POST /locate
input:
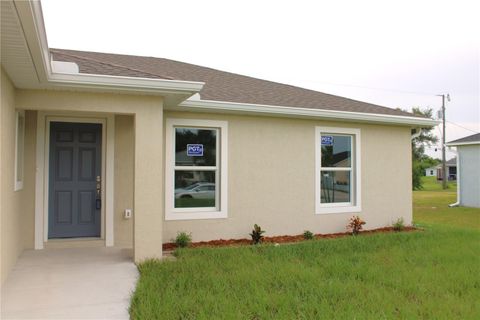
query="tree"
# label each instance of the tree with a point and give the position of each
(429, 162)
(420, 161)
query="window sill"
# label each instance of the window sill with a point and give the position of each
(337, 209)
(196, 215)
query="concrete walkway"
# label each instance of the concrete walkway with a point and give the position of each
(80, 283)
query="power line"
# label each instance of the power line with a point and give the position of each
(455, 124)
(375, 88)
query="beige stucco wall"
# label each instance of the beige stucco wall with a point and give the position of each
(76, 101)
(124, 179)
(28, 205)
(271, 168)
(271, 178)
(11, 237)
(146, 116)
(148, 184)
(17, 207)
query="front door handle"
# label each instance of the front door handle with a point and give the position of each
(98, 201)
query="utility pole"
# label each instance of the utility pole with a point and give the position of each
(444, 161)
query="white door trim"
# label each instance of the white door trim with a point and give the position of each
(42, 168)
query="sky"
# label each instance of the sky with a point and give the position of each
(398, 54)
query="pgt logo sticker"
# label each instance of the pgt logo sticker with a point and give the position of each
(194, 150)
(327, 140)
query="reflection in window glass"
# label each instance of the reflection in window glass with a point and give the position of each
(336, 150)
(334, 186)
(194, 189)
(195, 147)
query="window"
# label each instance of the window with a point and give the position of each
(19, 148)
(196, 169)
(337, 165)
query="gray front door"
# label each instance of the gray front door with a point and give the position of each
(74, 182)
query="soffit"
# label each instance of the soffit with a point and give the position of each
(15, 55)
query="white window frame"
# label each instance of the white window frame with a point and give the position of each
(355, 180)
(18, 181)
(221, 175)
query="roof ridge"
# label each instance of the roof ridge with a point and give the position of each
(61, 51)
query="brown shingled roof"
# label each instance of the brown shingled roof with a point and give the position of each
(473, 138)
(219, 85)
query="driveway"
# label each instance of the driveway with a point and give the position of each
(78, 283)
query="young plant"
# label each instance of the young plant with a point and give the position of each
(399, 225)
(308, 235)
(183, 239)
(355, 225)
(257, 234)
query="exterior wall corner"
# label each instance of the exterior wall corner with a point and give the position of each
(148, 183)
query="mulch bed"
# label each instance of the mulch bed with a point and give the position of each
(279, 239)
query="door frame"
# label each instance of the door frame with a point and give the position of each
(42, 171)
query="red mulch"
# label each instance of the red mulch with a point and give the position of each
(279, 239)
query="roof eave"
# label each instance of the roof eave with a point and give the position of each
(149, 85)
(455, 144)
(31, 18)
(245, 108)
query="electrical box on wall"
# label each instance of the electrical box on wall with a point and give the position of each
(127, 214)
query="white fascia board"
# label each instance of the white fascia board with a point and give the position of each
(453, 144)
(205, 105)
(123, 83)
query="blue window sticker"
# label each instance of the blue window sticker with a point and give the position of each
(327, 140)
(194, 150)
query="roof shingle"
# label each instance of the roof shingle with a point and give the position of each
(219, 85)
(473, 138)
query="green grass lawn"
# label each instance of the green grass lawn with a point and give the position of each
(430, 207)
(422, 274)
(431, 184)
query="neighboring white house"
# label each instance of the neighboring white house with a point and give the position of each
(468, 172)
(451, 170)
(431, 172)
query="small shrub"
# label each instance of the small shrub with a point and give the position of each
(355, 225)
(257, 234)
(308, 235)
(399, 225)
(183, 239)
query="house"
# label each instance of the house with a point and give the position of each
(468, 173)
(451, 166)
(431, 172)
(95, 147)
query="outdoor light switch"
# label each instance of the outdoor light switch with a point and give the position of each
(127, 214)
